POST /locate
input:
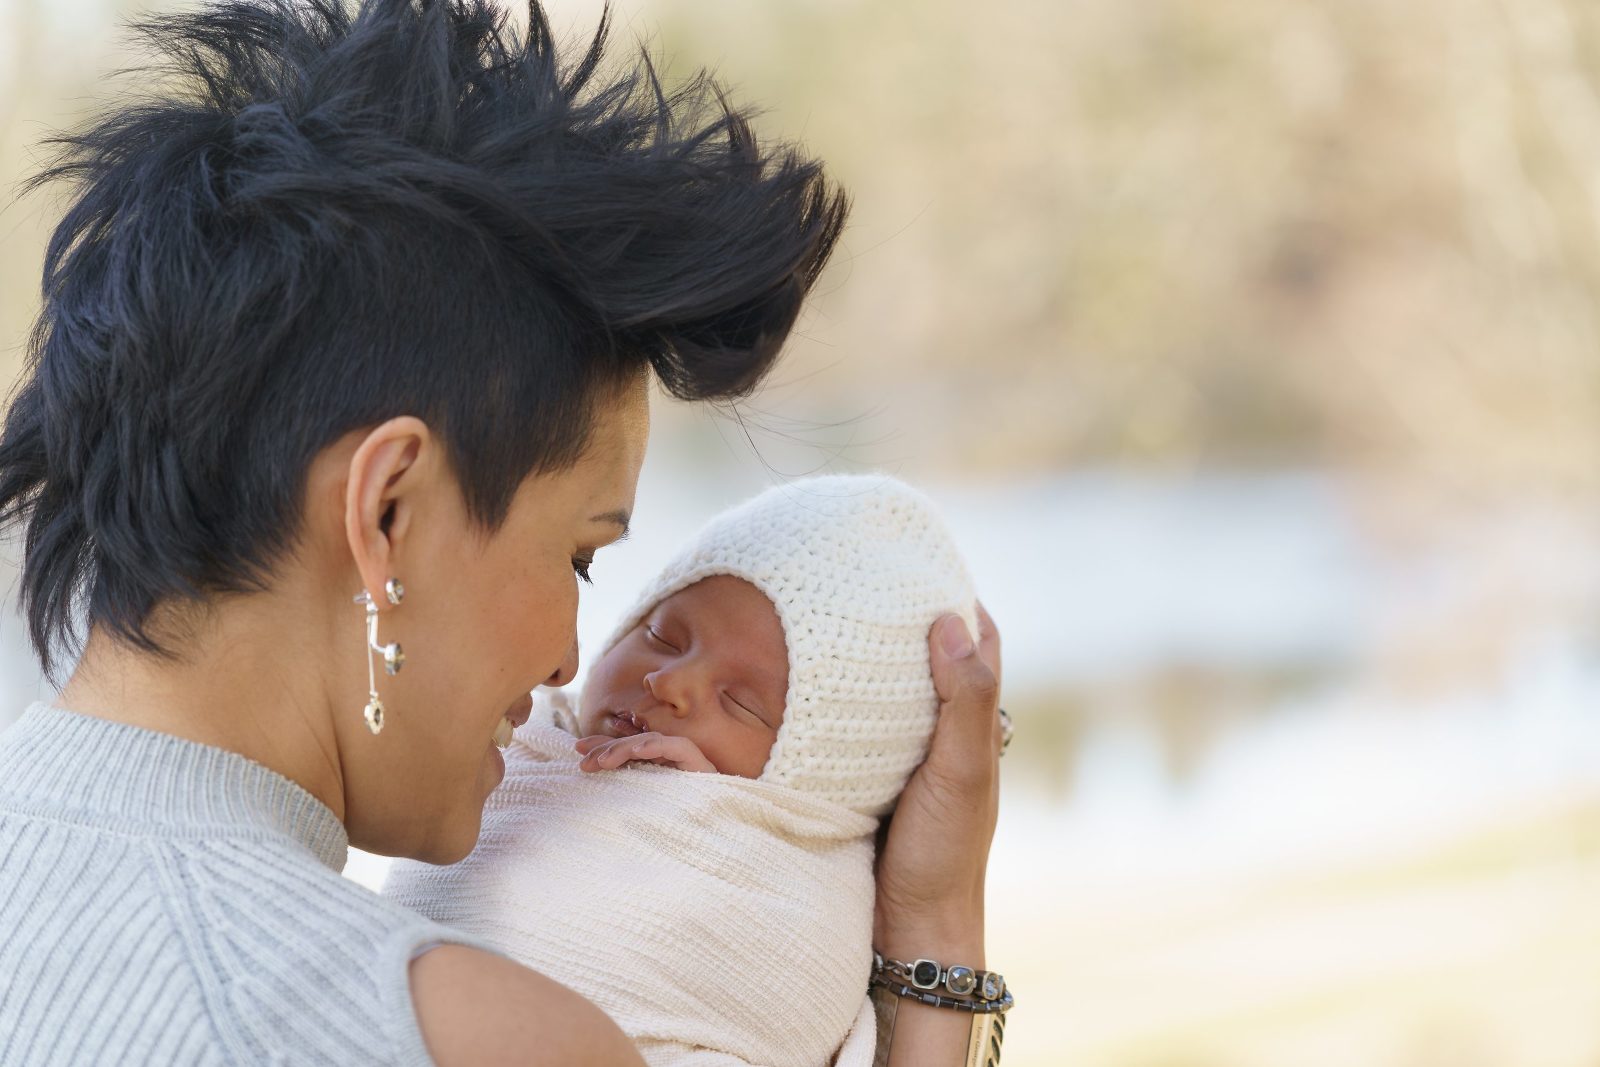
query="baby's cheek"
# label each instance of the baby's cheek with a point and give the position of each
(588, 702)
(588, 721)
(746, 758)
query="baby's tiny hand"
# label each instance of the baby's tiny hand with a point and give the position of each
(601, 753)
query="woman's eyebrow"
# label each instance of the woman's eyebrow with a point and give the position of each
(619, 517)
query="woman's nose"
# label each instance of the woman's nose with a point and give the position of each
(568, 669)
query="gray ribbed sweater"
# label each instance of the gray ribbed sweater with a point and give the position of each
(167, 902)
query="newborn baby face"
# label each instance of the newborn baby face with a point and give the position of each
(708, 664)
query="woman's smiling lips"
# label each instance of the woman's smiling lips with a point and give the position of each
(510, 719)
(521, 710)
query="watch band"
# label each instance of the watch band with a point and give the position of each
(986, 1031)
(885, 1006)
(983, 1043)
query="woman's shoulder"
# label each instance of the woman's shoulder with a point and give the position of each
(276, 929)
(426, 992)
(263, 952)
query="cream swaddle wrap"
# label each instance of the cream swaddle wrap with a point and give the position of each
(722, 920)
(718, 920)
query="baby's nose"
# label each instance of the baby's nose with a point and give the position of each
(671, 688)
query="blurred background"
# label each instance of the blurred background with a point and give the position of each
(1253, 348)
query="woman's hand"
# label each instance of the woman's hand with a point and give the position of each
(601, 753)
(935, 850)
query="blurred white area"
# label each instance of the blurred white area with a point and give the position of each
(20, 680)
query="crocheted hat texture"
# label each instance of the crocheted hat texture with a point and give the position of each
(859, 568)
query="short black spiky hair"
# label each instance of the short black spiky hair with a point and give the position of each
(323, 217)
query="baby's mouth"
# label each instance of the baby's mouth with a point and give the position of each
(623, 724)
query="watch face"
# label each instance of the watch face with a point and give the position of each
(993, 986)
(925, 974)
(960, 980)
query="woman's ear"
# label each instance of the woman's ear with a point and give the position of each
(381, 488)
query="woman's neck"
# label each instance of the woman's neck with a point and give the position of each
(244, 681)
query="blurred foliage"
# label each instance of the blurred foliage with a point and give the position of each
(1254, 231)
(1354, 233)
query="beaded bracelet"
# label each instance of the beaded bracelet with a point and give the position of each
(982, 993)
(934, 1000)
(975, 991)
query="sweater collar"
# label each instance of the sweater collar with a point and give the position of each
(122, 776)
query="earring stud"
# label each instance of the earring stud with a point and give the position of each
(373, 713)
(393, 656)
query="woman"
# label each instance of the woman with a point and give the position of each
(345, 351)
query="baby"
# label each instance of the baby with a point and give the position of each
(725, 917)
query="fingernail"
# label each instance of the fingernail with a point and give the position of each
(955, 638)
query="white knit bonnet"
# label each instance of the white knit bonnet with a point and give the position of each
(859, 567)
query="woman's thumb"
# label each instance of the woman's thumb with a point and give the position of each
(967, 687)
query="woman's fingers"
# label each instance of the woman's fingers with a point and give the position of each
(932, 859)
(989, 653)
(966, 739)
(988, 641)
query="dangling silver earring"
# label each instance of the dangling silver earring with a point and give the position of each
(393, 657)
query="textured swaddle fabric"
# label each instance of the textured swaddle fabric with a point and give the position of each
(859, 568)
(718, 920)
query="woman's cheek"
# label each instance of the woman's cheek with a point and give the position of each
(548, 617)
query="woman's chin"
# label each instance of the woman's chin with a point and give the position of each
(450, 847)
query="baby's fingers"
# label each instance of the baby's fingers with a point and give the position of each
(679, 752)
(609, 753)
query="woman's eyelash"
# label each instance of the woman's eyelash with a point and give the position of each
(580, 567)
